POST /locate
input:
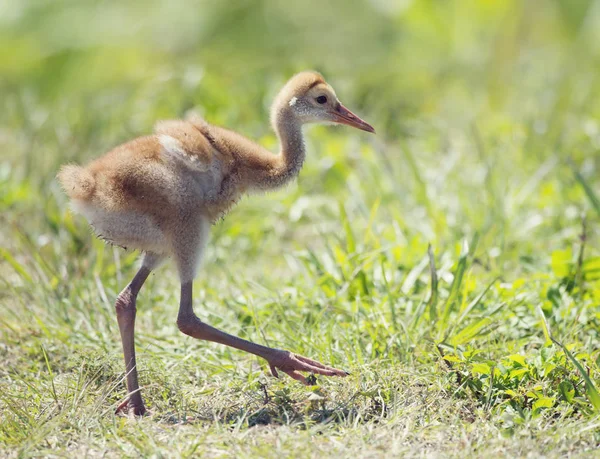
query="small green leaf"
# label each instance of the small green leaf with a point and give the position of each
(543, 402)
(548, 368)
(561, 262)
(518, 358)
(518, 372)
(567, 390)
(482, 368)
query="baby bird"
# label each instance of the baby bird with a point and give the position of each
(160, 194)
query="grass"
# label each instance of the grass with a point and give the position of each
(451, 263)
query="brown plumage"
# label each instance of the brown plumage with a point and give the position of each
(160, 193)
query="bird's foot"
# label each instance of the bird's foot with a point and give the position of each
(291, 364)
(129, 408)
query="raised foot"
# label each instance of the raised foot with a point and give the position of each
(291, 364)
(128, 408)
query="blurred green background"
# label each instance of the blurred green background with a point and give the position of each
(471, 99)
(488, 136)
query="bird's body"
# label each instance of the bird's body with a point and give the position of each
(160, 193)
(139, 194)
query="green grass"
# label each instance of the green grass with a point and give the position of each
(451, 263)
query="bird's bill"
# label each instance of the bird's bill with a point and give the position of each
(344, 116)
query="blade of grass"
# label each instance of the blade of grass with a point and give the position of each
(15, 264)
(470, 307)
(433, 298)
(51, 373)
(350, 240)
(470, 332)
(590, 388)
(594, 200)
(454, 288)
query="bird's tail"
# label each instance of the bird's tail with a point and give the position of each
(77, 182)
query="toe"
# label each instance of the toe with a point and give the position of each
(127, 408)
(292, 364)
(318, 367)
(312, 362)
(137, 410)
(297, 376)
(121, 407)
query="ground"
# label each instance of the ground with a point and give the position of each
(451, 263)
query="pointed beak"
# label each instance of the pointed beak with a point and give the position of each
(344, 116)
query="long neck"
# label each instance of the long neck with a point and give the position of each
(262, 169)
(292, 153)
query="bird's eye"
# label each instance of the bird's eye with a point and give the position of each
(322, 99)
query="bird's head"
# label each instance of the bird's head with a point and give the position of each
(308, 96)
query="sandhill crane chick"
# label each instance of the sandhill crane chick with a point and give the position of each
(160, 193)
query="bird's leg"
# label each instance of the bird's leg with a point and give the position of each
(188, 251)
(286, 361)
(126, 310)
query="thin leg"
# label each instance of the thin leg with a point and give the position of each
(126, 310)
(287, 362)
(188, 251)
